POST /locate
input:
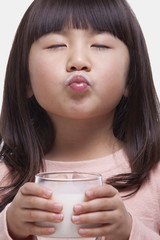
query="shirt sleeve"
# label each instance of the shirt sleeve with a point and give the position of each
(141, 232)
(4, 234)
(3, 225)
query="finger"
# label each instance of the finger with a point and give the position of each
(105, 190)
(103, 230)
(35, 190)
(33, 229)
(95, 205)
(95, 217)
(41, 216)
(32, 202)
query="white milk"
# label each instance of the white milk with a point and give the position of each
(66, 228)
(68, 193)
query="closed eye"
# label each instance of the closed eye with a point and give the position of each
(100, 47)
(56, 46)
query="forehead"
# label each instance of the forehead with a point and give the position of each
(70, 31)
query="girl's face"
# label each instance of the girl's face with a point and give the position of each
(78, 73)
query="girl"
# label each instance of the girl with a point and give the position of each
(79, 95)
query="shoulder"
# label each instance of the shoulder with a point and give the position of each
(155, 172)
(154, 178)
(4, 174)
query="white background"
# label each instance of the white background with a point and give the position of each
(147, 12)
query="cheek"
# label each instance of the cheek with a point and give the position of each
(42, 75)
(43, 83)
(113, 82)
(113, 79)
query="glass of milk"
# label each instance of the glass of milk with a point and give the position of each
(69, 189)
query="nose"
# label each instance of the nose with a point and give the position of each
(78, 61)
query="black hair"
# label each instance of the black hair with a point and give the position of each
(26, 129)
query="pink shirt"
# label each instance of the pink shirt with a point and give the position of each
(144, 206)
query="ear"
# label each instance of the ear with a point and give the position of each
(29, 91)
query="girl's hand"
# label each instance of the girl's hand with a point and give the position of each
(32, 204)
(104, 207)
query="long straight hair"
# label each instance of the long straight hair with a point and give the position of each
(25, 128)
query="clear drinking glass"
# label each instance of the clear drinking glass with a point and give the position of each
(69, 189)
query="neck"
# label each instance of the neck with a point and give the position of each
(78, 140)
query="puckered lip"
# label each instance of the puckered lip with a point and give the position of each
(78, 78)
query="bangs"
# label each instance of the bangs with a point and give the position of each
(101, 15)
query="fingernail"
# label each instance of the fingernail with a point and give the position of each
(76, 219)
(47, 193)
(51, 230)
(89, 193)
(58, 206)
(82, 231)
(77, 208)
(58, 217)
